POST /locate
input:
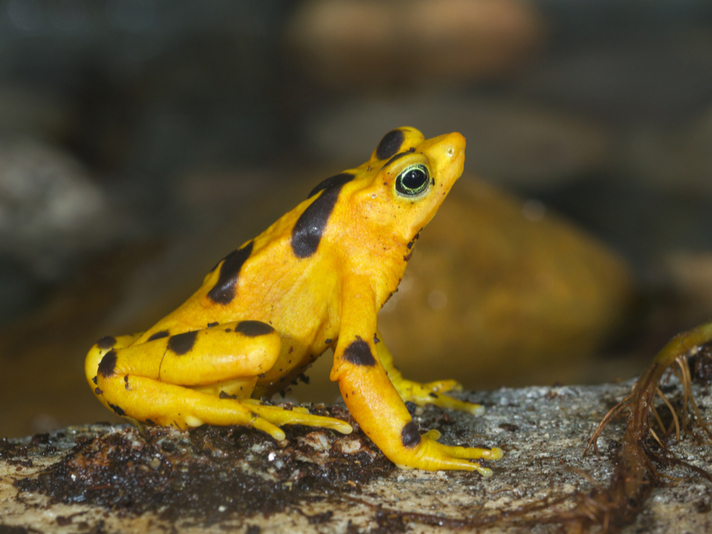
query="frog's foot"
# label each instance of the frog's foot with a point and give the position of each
(296, 415)
(432, 393)
(154, 402)
(430, 455)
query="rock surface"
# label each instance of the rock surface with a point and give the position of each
(542, 430)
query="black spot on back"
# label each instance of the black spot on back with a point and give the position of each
(335, 181)
(410, 436)
(224, 290)
(390, 144)
(359, 353)
(117, 410)
(158, 335)
(308, 229)
(253, 328)
(182, 343)
(210, 325)
(106, 342)
(108, 364)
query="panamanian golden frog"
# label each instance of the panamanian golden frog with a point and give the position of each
(314, 280)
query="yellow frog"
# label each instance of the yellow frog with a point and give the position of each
(315, 279)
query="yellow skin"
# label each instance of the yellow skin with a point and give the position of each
(315, 279)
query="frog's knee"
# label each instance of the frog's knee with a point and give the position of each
(99, 350)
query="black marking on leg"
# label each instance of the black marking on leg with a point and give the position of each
(376, 341)
(328, 340)
(224, 395)
(98, 391)
(107, 364)
(159, 335)
(106, 342)
(149, 422)
(410, 437)
(390, 144)
(95, 379)
(412, 241)
(210, 325)
(126, 382)
(253, 328)
(334, 181)
(224, 289)
(310, 226)
(359, 353)
(182, 343)
(117, 410)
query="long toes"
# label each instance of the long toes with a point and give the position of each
(441, 386)
(265, 426)
(280, 416)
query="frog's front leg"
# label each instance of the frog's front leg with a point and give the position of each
(179, 380)
(375, 403)
(422, 394)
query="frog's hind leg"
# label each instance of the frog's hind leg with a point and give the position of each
(422, 394)
(178, 380)
(96, 354)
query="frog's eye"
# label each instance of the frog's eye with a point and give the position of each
(413, 180)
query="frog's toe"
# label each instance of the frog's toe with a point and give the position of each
(281, 416)
(441, 386)
(435, 456)
(446, 401)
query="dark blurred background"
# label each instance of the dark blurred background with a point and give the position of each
(142, 140)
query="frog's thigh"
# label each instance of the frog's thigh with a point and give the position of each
(242, 349)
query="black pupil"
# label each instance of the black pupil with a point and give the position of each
(414, 179)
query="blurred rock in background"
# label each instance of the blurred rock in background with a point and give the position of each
(140, 140)
(412, 44)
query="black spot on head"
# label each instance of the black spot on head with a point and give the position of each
(335, 181)
(117, 410)
(410, 437)
(106, 342)
(253, 328)
(158, 335)
(390, 144)
(359, 353)
(398, 156)
(182, 343)
(108, 364)
(224, 290)
(308, 229)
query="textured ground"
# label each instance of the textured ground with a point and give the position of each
(107, 479)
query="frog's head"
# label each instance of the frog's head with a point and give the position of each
(380, 206)
(407, 178)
